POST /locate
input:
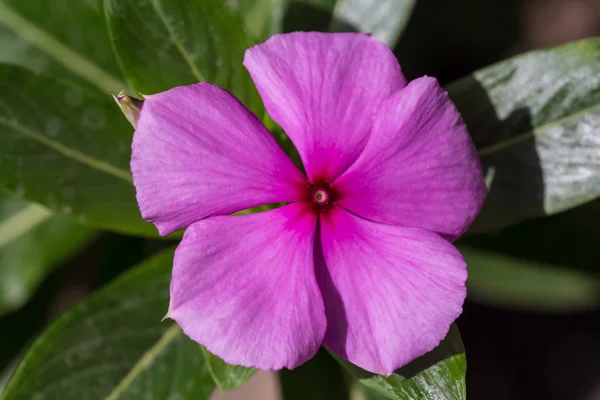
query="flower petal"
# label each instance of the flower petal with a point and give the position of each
(245, 287)
(391, 293)
(420, 167)
(198, 152)
(324, 89)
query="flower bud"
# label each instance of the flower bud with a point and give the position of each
(130, 106)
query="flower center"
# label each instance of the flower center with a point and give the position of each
(321, 195)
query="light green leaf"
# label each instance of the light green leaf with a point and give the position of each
(226, 376)
(439, 374)
(534, 119)
(66, 146)
(507, 281)
(60, 37)
(320, 378)
(113, 345)
(32, 242)
(166, 43)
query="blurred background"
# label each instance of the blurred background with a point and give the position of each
(514, 350)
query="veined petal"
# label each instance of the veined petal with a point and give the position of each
(198, 152)
(391, 293)
(324, 89)
(245, 287)
(420, 167)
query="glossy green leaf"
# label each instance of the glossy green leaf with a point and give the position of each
(166, 43)
(439, 374)
(320, 378)
(534, 119)
(67, 147)
(113, 345)
(32, 242)
(60, 37)
(507, 281)
(226, 376)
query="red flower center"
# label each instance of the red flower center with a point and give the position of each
(321, 195)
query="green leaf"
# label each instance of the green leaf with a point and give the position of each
(113, 345)
(534, 120)
(258, 16)
(166, 43)
(32, 242)
(362, 392)
(384, 19)
(36, 35)
(303, 15)
(320, 378)
(67, 147)
(7, 371)
(439, 374)
(226, 376)
(507, 281)
(15, 50)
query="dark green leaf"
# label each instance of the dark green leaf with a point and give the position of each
(226, 376)
(534, 119)
(506, 281)
(60, 37)
(439, 374)
(67, 146)
(165, 43)
(32, 242)
(303, 15)
(320, 378)
(8, 370)
(113, 345)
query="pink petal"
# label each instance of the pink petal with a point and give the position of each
(324, 89)
(198, 152)
(420, 167)
(391, 293)
(245, 287)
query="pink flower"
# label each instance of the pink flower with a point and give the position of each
(360, 260)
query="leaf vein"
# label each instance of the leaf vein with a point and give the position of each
(21, 222)
(163, 18)
(536, 132)
(71, 60)
(146, 361)
(70, 153)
